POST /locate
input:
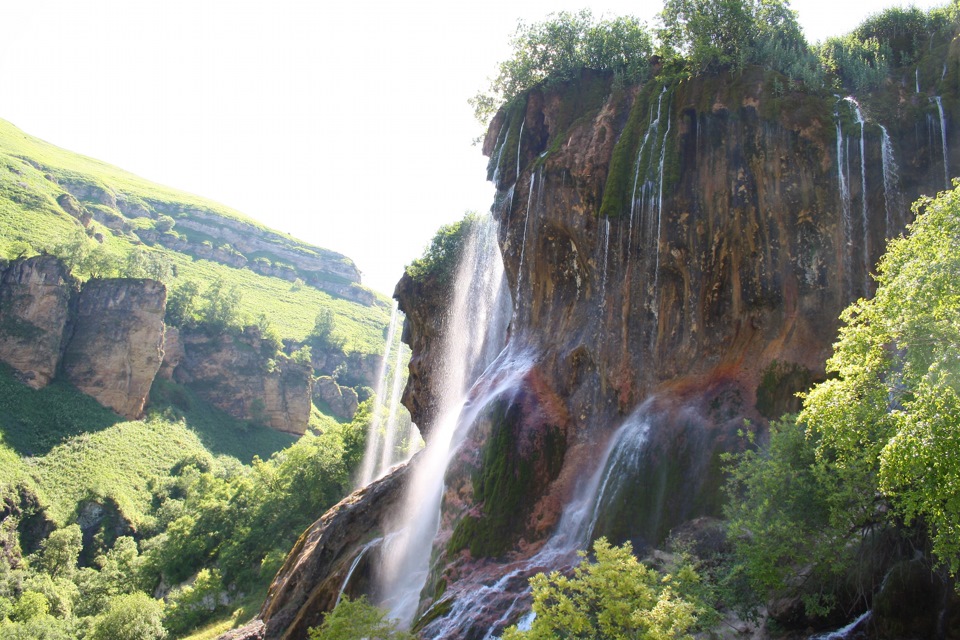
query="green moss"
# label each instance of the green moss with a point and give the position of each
(503, 482)
(437, 610)
(778, 388)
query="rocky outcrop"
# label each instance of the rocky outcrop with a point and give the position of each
(314, 573)
(117, 343)
(34, 308)
(342, 401)
(244, 376)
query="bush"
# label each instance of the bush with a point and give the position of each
(135, 616)
(357, 620)
(616, 597)
(440, 259)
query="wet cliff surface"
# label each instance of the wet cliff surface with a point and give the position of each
(676, 260)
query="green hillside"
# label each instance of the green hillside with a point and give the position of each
(40, 182)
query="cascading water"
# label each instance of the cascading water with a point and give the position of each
(865, 214)
(370, 468)
(606, 260)
(475, 327)
(389, 455)
(845, 207)
(637, 203)
(943, 142)
(656, 247)
(526, 224)
(891, 182)
(573, 533)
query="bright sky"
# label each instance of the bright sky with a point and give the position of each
(345, 123)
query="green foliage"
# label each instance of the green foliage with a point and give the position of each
(357, 620)
(182, 304)
(441, 257)
(873, 449)
(134, 616)
(324, 336)
(192, 604)
(556, 49)
(713, 35)
(220, 307)
(616, 597)
(893, 410)
(858, 64)
(60, 551)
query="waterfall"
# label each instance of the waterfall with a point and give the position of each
(501, 143)
(891, 182)
(636, 202)
(475, 326)
(943, 142)
(519, 141)
(388, 452)
(845, 206)
(353, 567)
(523, 242)
(606, 258)
(865, 214)
(621, 455)
(656, 248)
(369, 468)
(916, 75)
(846, 632)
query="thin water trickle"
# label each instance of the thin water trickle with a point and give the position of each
(845, 632)
(523, 242)
(519, 144)
(656, 247)
(606, 260)
(845, 206)
(917, 78)
(891, 182)
(389, 455)
(865, 214)
(476, 327)
(372, 454)
(353, 567)
(501, 144)
(943, 142)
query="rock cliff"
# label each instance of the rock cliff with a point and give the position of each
(239, 374)
(678, 257)
(34, 307)
(117, 342)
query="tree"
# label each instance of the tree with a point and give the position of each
(874, 449)
(713, 35)
(182, 304)
(893, 409)
(557, 48)
(356, 620)
(324, 335)
(615, 597)
(221, 307)
(134, 616)
(60, 551)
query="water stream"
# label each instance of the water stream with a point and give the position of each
(891, 183)
(475, 328)
(943, 142)
(864, 212)
(845, 207)
(371, 466)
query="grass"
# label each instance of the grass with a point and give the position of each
(73, 449)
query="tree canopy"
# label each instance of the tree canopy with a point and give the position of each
(875, 447)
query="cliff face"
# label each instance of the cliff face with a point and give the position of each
(678, 257)
(34, 307)
(237, 375)
(117, 342)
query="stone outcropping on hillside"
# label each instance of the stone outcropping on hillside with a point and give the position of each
(108, 339)
(238, 375)
(34, 307)
(676, 255)
(117, 342)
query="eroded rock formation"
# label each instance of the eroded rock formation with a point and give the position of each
(117, 342)
(240, 375)
(34, 309)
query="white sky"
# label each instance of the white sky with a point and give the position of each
(343, 123)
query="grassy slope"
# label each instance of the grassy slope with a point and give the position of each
(74, 449)
(29, 213)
